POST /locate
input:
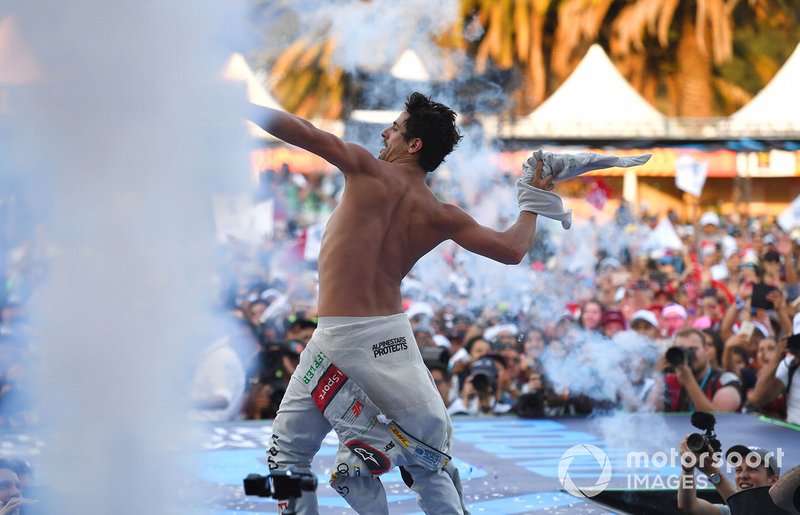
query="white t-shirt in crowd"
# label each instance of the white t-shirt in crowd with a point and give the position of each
(792, 397)
(220, 372)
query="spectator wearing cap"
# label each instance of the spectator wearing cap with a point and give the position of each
(481, 393)
(424, 334)
(709, 229)
(695, 384)
(644, 322)
(420, 312)
(673, 319)
(612, 322)
(711, 232)
(754, 467)
(502, 336)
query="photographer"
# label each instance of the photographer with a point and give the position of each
(481, 393)
(268, 377)
(690, 382)
(749, 473)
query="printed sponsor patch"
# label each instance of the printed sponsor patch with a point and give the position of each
(389, 346)
(376, 461)
(426, 455)
(369, 425)
(328, 386)
(319, 359)
(397, 434)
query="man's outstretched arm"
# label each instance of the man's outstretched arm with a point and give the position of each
(302, 133)
(509, 246)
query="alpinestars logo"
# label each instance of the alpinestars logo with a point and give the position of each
(388, 346)
(376, 461)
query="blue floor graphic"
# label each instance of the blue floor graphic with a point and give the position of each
(507, 465)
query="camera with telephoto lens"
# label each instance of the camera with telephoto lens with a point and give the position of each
(679, 356)
(435, 357)
(484, 375)
(698, 442)
(283, 485)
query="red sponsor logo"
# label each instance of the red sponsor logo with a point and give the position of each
(357, 408)
(329, 385)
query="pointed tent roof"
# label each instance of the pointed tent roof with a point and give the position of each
(236, 69)
(777, 106)
(662, 237)
(595, 100)
(18, 66)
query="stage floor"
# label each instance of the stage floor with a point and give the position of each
(507, 465)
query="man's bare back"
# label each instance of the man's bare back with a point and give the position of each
(388, 218)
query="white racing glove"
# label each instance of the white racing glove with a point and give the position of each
(563, 167)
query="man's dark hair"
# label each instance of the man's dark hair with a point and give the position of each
(435, 125)
(687, 331)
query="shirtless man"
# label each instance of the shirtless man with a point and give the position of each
(387, 219)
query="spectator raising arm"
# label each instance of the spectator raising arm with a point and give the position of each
(768, 386)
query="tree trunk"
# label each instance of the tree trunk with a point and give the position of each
(694, 69)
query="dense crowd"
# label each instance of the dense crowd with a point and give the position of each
(583, 324)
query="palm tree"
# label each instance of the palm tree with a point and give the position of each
(673, 51)
(306, 83)
(509, 33)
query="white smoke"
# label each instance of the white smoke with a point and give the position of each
(384, 29)
(127, 138)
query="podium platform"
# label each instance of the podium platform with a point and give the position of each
(513, 466)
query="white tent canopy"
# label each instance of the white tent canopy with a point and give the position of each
(662, 238)
(595, 100)
(237, 70)
(777, 106)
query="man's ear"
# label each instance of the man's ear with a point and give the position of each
(415, 145)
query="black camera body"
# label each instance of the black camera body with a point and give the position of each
(698, 442)
(435, 357)
(679, 356)
(484, 375)
(280, 484)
